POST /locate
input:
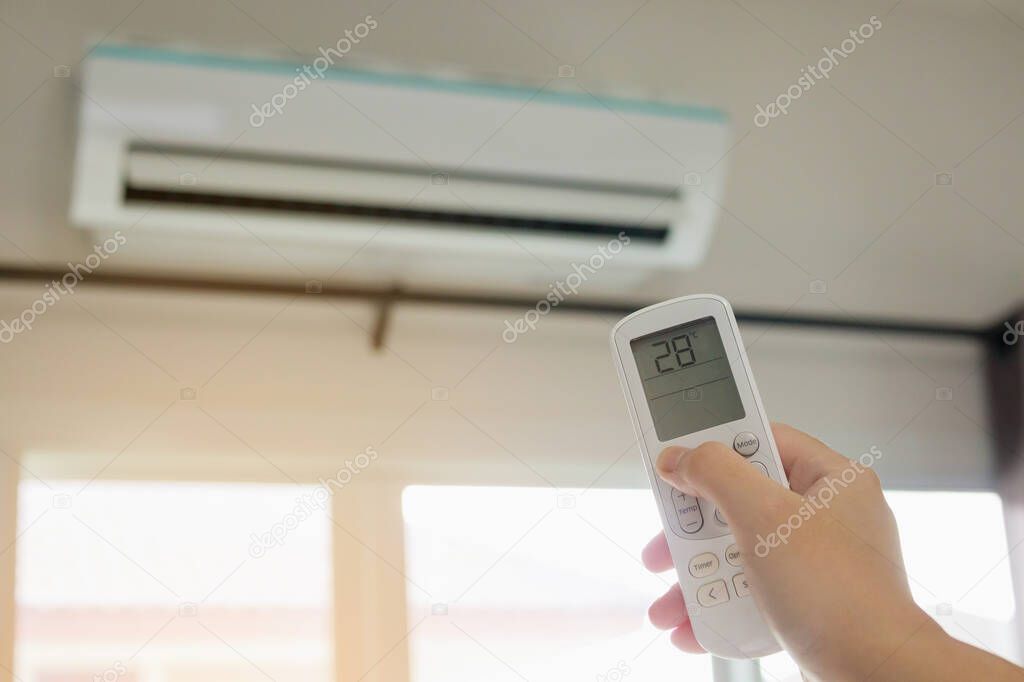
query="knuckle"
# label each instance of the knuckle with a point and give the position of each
(870, 478)
(715, 449)
(703, 458)
(703, 461)
(692, 467)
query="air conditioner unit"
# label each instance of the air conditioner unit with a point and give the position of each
(431, 171)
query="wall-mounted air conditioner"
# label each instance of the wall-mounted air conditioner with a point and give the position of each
(428, 169)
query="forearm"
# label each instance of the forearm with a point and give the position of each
(931, 655)
(915, 650)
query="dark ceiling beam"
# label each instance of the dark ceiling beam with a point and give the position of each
(387, 297)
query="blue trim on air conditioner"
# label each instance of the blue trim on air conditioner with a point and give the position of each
(408, 80)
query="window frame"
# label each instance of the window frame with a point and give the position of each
(369, 604)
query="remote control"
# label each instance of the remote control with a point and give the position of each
(687, 381)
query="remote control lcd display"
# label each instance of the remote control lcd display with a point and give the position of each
(687, 380)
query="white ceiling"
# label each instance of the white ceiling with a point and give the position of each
(842, 189)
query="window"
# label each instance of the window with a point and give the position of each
(132, 581)
(143, 581)
(533, 583)
(968, 589)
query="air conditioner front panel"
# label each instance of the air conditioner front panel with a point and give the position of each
(168, 140)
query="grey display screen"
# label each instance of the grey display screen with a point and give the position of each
(687, 380)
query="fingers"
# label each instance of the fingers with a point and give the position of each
(683, 638)
(805, 458)
(656, 556)
(717, 473)
(669, 610)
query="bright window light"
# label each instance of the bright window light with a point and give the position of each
(535, 583)
(158, 582)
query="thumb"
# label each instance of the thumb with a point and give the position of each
(717, 473)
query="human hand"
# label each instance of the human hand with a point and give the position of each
(835, 592)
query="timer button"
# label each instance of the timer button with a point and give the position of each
(703, 565)
(746, 443)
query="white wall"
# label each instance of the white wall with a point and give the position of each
(101, 374)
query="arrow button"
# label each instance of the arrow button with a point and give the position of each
(713, 594)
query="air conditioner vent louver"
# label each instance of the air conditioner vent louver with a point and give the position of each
(391, 214)
(268, 183)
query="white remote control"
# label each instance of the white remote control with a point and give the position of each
(687, 381)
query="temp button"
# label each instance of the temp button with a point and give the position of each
(746, 443)
(691, 519)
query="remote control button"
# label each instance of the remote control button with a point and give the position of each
(746, 443)
(732, 555)
(719, 517)
(762, 467)
(703, 565)
(739, 583)
(713, 594)
(691, 518)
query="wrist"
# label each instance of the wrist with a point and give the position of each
(900, 644)
(924, 651)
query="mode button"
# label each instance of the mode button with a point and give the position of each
(746, 443)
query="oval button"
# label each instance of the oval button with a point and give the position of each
(739, 583)
(713, 594)
(691, 518)
(746, 443)
(732, 555)
(703, 565)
